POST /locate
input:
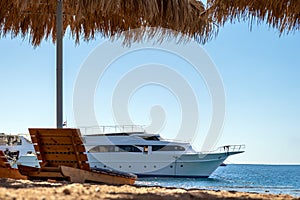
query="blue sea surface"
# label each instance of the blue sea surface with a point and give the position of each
(273, 179)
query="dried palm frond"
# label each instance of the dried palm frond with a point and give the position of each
(86, 18)
(281, 14)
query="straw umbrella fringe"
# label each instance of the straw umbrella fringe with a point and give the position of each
(86, 18)
(283, 15)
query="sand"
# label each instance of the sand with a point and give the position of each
(52, 190)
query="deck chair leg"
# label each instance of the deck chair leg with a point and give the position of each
(75, 175)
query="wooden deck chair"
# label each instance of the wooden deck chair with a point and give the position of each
(6, 171)
(62, 156)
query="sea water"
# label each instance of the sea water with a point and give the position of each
(273, 179)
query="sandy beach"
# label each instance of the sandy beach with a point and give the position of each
(24, 189)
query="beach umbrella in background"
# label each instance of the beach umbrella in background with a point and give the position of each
(43, 19)
(283, 15)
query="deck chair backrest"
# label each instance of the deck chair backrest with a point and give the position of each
(4, 163)
(59, 147)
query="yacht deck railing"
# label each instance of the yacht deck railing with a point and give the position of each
(228, 148)
(111, 129)
(231, 148)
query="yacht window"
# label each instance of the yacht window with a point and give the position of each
(145, 149)
(167, 148)
(154, 138)
(128, 148)
(112, 148)
(102, 148)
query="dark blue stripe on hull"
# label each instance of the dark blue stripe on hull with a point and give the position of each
(167, 176)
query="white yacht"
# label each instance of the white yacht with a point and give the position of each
(147, 154)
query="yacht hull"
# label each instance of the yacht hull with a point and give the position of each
(161, 165)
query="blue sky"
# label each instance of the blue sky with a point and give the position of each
(260, 72)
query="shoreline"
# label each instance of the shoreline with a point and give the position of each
(24, 189)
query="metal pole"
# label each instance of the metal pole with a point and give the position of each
(59, 65)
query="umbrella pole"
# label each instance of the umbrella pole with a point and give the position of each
(59, 66)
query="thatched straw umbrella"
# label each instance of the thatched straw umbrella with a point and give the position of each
(41, 19)
(281, 14)
(86, 18)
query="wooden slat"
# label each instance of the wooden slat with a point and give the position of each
(4, 164)
(11, 173)
(36, 148)
(58, 133)
(3, 160)
(51, 169)
(53, 131)
(46, 175)
(56, 141)
(81, 176)
(82, 165)
(40, 152)
(85, 166)
(63, 148)
(53, 140)
(39, 157)
(65, 157)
